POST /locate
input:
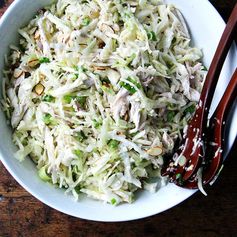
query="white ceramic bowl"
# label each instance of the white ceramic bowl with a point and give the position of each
(206, 27)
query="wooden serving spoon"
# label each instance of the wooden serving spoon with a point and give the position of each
(215, 133)
(189, 157)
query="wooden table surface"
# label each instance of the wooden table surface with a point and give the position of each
(212, 216)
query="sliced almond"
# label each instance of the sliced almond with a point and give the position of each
(51, 28)
(66, 39)
(101, 43)
(37, 35)
(133, 9)
(42, 76)
(100, 68)
(16, 54)
(40, 46)
(33, 62)
(155, 151)
(116, 27)
(133, 4)
(39, 89)
(106, 29)
(95, 14)
(60, 38)
(33, 30)
(120, 133)
(126, 117)
(82, 44)
(17, 73)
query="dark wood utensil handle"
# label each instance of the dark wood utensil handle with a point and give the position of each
(219, 58)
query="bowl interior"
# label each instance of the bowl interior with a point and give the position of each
(202, 19)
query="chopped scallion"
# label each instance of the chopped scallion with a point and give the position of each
(96, 123)
(81, 100)
(43, 174)
(105, 81)
(44, 60)
(137, 84)
(130, 59)
(67, 99)
(113, 201)
(190, 110)
(78, 153)
(170, 116)
(179, 178)
(76, 75)
(81, 136)
(113, 144)
(48, 98)
(86, 21)
(128, 87)
(78, 188)
(47, 118)
(151, 36)
(80, 69)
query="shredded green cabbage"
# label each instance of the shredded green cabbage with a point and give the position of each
(99, 91)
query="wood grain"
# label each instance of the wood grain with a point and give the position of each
(212, 216)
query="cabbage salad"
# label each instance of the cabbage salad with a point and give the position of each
(98, 92)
